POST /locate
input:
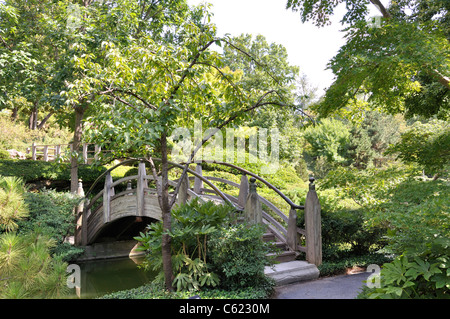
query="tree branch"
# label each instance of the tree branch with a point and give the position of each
(381, 8)
(259, 103)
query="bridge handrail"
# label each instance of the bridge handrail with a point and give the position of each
(219, 192)
(242, 170)
(264, 201)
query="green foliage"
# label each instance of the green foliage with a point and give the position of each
(14, 135)
(426, 144)
(401, 63)
(31, 171)
(4, 154)
(416, 214)
(420, 277)
(238, 255)
(192, 224)
(51, 214)
(370, 138)
(328, 139)
(12, 203)
(208, 250)
(157, 291)
(27, 270)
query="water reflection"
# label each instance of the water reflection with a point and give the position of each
(101, 277)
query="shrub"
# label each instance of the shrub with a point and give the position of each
(4, 154)
(238, 255)
(27, 270)
(191, 225)
(31, 171)
(12, 203)
(51, 214)
(209, 250)
(426, 276)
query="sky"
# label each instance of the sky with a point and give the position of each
(308, 46)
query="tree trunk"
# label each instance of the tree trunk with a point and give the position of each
(15, 111)
(41, 125)
(166, 216)
(79, 112)
(33, 117)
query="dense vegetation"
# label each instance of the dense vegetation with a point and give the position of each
(130, 72)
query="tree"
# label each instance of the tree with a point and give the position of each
(328, 139)
(426, 144)
(370, 139)
(144, 89)
(404, 57)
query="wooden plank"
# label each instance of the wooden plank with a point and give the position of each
(108, 192)
(291, 237)
(141, 184)
(313, 227)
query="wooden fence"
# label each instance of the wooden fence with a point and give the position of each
(63, 152)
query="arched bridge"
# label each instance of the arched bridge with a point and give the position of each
(111, 214)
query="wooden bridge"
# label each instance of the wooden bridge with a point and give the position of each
(114, 213)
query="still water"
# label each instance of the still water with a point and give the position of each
(101, 277)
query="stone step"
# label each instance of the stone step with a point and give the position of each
(292, 271)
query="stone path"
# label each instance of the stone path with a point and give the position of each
(338, 287)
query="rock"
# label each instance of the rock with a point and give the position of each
(16, 154)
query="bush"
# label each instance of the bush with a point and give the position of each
(4, 154)
(27, 270)
(31, 171)
(12, 203)
(191, 225)
(239, 256)
(208, 250)
(426, 276)
(157, 291)
(51, 215)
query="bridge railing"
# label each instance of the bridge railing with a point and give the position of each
(63, 152)
(284, 227)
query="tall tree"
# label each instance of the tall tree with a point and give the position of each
(144, 89)
(398, 62)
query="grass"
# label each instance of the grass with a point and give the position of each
(15, 135)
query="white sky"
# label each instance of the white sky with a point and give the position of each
(308, 46)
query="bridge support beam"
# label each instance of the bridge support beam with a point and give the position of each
(141, 184)
(182, 192)
(291, 236)
(243, 191)
(252, 209)
(313, 226)
(198, 183)
(108, 192)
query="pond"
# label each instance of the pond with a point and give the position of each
(100, 277)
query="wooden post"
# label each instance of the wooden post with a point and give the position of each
(84, 223)
(198, 183)
(57, 152)
(252, 209)
(45, 153)
(313, 226)
(243, 191)
(182, 192)
(79, 213)
(108, 192)
(291, 237)
(97, 151)
(141, 184)
(85, 157)
(33, 151)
